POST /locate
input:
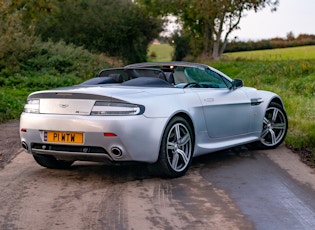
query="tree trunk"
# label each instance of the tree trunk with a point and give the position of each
(223, 45)
(206, 40)
(215, 49)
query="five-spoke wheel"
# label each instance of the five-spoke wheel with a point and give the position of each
(275, 126)
(176, 148)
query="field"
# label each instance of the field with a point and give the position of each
(160, 53)
(294, 53)
(164, 52)
(289, 72)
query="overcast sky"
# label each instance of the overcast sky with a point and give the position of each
(297, 16)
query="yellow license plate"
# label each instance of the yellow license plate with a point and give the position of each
(63, 137)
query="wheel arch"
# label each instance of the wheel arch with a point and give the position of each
(162, 166)
(188, 119)
(275, 126)
(277, 100)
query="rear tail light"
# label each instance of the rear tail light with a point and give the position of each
(102, 108)
(32, 106)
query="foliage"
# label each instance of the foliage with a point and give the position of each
(117, 28)
(47, 65)
(15, 45)
(181, 46)
(209, 22)
(31, 10)
(24, 52)
(301, 40)
(15, 89)
(11, 104)
(51, 58)
(59, 58)
(28, 64)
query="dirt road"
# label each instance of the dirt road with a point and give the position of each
(93, 196)
(96, 196)
(9, 141)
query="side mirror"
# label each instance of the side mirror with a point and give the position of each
(237, 83)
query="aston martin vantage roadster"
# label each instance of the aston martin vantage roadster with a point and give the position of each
(162, 114)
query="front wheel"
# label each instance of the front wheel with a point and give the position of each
(275, 126)
(51, 162)
(176, 149)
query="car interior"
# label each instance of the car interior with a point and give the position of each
(180, 77)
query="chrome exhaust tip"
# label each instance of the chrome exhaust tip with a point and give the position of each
(117, 152)
(24, 146)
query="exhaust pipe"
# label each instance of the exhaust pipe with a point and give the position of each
(24, 146)
(117, 152)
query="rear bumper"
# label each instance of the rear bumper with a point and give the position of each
(137, 138)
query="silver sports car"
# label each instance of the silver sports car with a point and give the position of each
(163, 114)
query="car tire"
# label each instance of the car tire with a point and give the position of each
(176, 149)
(51, 162)
(275, 126)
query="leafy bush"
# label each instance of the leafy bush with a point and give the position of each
(15, 44)
(22, 52)
(28, 64)
(181, 46)
(60, 58)
(11, 103)
(118, 28)
(15, 89)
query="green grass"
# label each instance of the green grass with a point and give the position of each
(160, 53)
(15, 89)
(294, 53)
(11, 103)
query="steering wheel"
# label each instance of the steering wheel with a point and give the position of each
(192, 85)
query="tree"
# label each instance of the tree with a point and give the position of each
(15, 44)
(181, 44)
(209, 21)
(117, 28)
(31, 10)
(290, 36)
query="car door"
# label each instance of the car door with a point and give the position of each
(227, 110)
